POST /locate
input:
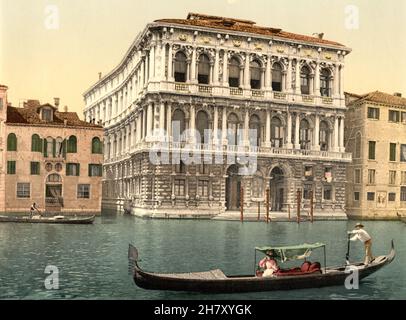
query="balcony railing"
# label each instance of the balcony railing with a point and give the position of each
(257, 93)
(181, 87)
(205, 89)
(307, 98)
(279, 95)
(327, 100)
(236, 92)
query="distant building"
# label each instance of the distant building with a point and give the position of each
(227, 76)
(376, 137)
(48, 157)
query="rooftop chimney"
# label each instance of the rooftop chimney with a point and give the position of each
(100, 75)
(56, 102)
(65, 109)
(398, 94)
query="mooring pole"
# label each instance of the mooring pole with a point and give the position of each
(267, 205)
(242, 204)
(259, 210)
(289, 211)
(311, 206)
(298, 195)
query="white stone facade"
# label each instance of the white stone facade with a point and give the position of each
(290, 91)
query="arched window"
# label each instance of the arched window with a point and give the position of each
(277, 77)
(357, 153)
(54, 178)
(276, 133)
(305, 80)
(36, 143)
(178, 124)
(255, 70)
(72, 145)
(304, 138)
(324, 136)
(325, 86)
(12, 142)
(255, 131)
(234, 73)
(202, 124)
(204, 69)
(180, 67)
(232, 126)
(97, 146)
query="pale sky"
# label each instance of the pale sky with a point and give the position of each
(93, 35)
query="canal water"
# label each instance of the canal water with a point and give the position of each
(92, 259)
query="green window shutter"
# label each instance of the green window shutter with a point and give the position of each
(45, 148)
(78, 169)
(12, 142)
(68, 171)
(64, 148)
(90, 170)
(33, 143)
(54, 147)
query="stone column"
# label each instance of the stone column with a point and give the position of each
(169, 120)
(193, 67)
(188, 70)
(317, 80)
(336, 131)
(224, 126)
(161, 75)
(215, 124)
(142, 74)
(342, 146)
(225, 69)
(268, 73)
(150, 121)
(342, 82)
(162, 121)
(216, 68)
(262, 86)
(170, 64)
(289, 131)
(298, 89)
(246, 127)
(297, 131)
(268, 129)
(192, 122)
(152, 63)
(316, 138)
(138, 138)
(336, 93)
(147, 68)
(247, 82)
(289, 76)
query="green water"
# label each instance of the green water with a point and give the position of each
(92, 259)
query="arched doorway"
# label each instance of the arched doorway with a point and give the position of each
(277, 189)
(53, 193)
(233, 187)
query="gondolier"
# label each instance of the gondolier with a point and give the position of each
(360, 234)
(33, 209)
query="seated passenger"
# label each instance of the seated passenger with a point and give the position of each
(271, 268)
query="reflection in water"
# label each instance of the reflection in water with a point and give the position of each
(92, 260)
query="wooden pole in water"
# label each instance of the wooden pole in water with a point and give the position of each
(267, 205)
(242, 204)
(298, 196)
(289, 211)
(259, 210)
(311, 206)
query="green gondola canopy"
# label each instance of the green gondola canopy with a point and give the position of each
(287, 253)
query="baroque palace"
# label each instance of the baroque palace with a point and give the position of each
(233, 78)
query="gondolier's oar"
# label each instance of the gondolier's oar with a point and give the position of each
(347, 256)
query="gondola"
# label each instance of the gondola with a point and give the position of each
(51, 220)
(215, 281)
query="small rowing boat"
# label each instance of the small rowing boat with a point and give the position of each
(215, 281)
(52, 220)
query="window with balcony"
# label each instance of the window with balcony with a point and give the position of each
(305, 135)
(233, 124)
(178, 125)
(180, 67)
(203, 76)
(394, 116)
(255, 131)
(371, 150)
(277, 77)
(276, 133)
(373, 113)
(234, 73)
(255, 70)
(305, 80)
(392, 151)
(325, 83)
(324, 136)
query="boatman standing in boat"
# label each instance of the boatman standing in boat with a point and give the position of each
(360, 234)
(33, 209)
